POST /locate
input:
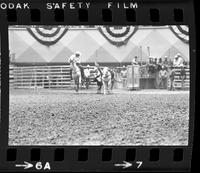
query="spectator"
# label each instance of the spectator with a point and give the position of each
(156, 65)
(155, 61)
(171, 77)
(135, 61)
(150, 61)
(163, 78)
(124, 76)
(112, 78)
(182, 76)
(152, 68)
(159, 64)
(170, 62)
(98, 78)
(165, 62)
(160, 61)
(178, 61)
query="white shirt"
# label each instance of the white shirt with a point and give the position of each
(134, 61)
(124, 73)
(87, 72)
(78, 59)
(71, 58)
(74, 58)
(178, 62)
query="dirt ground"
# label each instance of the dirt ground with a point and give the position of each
(62, 117)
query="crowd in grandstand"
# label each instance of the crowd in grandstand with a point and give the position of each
(165, 69)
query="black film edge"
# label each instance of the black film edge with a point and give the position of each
(144, 122)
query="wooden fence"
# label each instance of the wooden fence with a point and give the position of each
(11, 77)
(59, 77)
(41, 77)
(177, 80)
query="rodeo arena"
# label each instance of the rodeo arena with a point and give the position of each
(99, 85)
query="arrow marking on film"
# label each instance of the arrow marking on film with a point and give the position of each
(124, 164)
(26, 165)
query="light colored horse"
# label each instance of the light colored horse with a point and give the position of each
(76, 75)
(106, 79)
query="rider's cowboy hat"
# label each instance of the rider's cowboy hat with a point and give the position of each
(78, 53)
(176, 56)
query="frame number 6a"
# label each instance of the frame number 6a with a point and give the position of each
(38, 166)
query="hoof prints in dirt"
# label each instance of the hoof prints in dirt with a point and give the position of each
(91, 119)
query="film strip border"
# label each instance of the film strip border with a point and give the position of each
(106, 15)
(96, 159)
(101, 158)
(128, 12)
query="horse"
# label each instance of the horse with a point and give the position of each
(106, 79)
(76, 75)
(98, 79)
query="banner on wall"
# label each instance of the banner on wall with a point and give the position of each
(47, 35)
(119, 35)
(181, 31)
(116, 35)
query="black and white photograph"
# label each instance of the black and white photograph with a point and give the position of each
(99, 85)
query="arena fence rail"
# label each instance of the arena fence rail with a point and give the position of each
(58, 76)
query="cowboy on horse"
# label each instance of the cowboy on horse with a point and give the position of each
(75, 58)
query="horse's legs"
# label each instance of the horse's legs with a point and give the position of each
(110, 86)
(79, 78)
(77, 84)
(105, 87)
(100, 84)
(87, 83)
(104, 90)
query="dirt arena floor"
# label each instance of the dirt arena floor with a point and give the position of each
(62, 117)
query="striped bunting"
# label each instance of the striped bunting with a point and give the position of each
(181, 31)
(118, 35)
(47, 35)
